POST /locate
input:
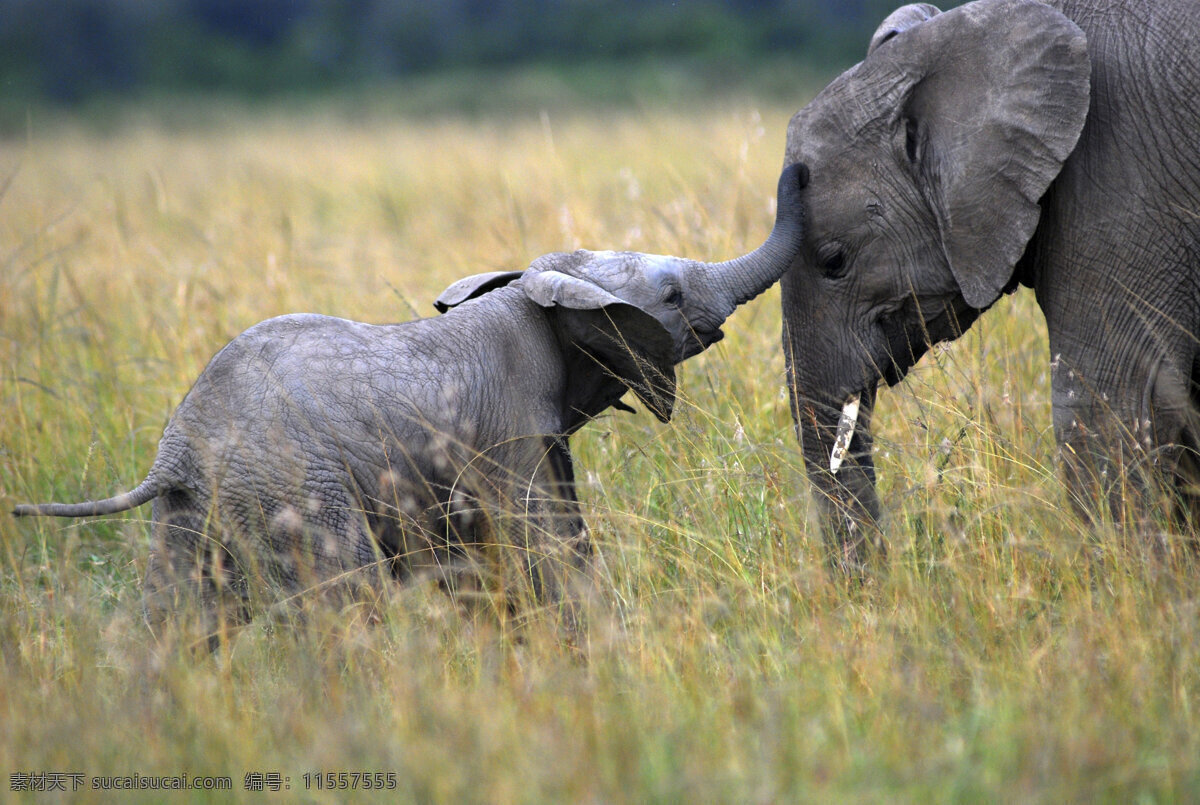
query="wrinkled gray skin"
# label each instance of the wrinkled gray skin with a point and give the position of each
(999, 144)
(312, 447)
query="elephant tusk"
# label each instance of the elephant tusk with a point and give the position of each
(845, 433)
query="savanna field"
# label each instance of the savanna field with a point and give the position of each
(1002, 651)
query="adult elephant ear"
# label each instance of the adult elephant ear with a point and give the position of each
(900, 21)
(610, 336)
(470, 287)
(994, 97)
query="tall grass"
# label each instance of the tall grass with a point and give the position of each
(1003, 651)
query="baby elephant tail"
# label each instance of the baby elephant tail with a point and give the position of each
(145, 491)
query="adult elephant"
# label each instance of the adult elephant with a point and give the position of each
(1005, 143)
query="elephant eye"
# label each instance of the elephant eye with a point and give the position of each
(910, 140)
(673, 298)
(833, 261)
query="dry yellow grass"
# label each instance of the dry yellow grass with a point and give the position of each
(1003, 652)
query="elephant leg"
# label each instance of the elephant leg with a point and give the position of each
(1187, 466)
(1187, 485)
(435, 529)
(191, 577)
(454, 537)
(560, 547)
(329, 552)
(533, 539)
(1176, 402)
(1128, 445)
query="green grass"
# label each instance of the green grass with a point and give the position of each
(1002, 651)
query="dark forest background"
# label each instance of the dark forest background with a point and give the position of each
(70, 51)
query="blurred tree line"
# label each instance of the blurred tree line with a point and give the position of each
(71, 50)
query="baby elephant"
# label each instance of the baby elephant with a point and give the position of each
(313, 452)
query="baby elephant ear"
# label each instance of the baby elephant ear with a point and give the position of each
(609, 336)
(627, 343)
(550, 285)
(470, 287)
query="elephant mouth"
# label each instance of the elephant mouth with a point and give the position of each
(710, 337)
(700, 340)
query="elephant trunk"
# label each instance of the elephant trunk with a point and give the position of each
(739, 280)
(835, 437)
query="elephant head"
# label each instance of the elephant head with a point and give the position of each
(634, 316)
(927, 161)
